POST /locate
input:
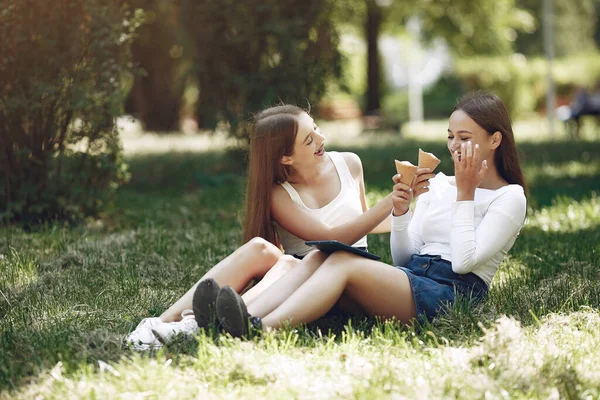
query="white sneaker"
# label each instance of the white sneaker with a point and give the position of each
(187, 327)
(142, 338)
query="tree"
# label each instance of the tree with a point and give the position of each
(469, 28)
(61, 68)
(157, 92)
(373, 22)
(253, 53)
(575, 27)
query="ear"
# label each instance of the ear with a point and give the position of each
(496, 139)
(286, 160)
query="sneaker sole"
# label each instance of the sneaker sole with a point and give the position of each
(232, 312)
(204, 302)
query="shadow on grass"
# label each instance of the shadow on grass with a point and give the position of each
(553, 272)
(182, 210)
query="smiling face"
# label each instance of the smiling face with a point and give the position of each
(462, 129)
(309, 146)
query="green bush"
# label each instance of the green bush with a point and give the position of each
(440, 99)
(249, 55)
(61, 68)
(522, 82)
(507, 76)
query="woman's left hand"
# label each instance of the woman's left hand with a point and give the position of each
(421, 182)
(467, 170)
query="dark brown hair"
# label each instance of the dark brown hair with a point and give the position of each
(273, 135)
(490, 113)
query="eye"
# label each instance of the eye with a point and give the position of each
(464, 139)
(310, 141)
(450, 137)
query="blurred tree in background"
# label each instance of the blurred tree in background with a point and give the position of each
(157, 92)
(254, 53)
(61, 69)
(484, 27)
(575, 24)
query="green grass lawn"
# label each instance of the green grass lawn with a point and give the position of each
(69, 294)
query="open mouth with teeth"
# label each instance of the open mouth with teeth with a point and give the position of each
(321, 151)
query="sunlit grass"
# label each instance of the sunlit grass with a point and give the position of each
(571, 169)
(567, 215)
(552, 359)
(69, 294)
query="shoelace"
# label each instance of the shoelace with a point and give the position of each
(187, 317)
(187, 313)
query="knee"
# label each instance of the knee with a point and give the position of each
(264, 250)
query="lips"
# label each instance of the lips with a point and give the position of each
(321, 151)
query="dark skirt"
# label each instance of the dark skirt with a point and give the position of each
(434, 285)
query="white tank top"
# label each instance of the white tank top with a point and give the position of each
(343, 208)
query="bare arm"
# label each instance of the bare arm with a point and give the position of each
(300, 223)
(355, 166)
(297, 221)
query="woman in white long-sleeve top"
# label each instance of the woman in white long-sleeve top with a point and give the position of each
(453, 242)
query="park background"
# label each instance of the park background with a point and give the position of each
(123, 143)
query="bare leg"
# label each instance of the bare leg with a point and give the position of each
(378, 288)
(284, 265)
(251, 260)
(276, 294)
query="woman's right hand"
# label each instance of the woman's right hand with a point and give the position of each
(401, 196)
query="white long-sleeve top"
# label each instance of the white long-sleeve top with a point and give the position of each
(473, 235)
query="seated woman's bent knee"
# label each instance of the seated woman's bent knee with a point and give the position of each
(264, 249)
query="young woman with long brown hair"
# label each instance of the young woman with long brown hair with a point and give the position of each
(296, 192)
(453, 242)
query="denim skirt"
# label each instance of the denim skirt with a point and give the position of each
(434, 285)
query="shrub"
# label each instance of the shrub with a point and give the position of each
(522, 82)
(249, 55)
(440, 99)
(61, 68)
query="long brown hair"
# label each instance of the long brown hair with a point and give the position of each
(272, 137)
(489, 112)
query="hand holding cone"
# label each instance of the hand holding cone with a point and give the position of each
(407, 170)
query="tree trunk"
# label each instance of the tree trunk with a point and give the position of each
(372, 27)
(156, 97)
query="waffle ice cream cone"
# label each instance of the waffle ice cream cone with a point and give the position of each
(407, 170)
(428, 160)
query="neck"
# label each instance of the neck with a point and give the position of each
(492, 179)
(307, 174)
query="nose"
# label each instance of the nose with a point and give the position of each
(319, 137)
(454, 144)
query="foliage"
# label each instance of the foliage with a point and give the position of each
(575, 23)
(61, 66)
(522, 82)
(442, 96)
(156, 95)
(69, 294)
(486, 27)
(252, 54)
